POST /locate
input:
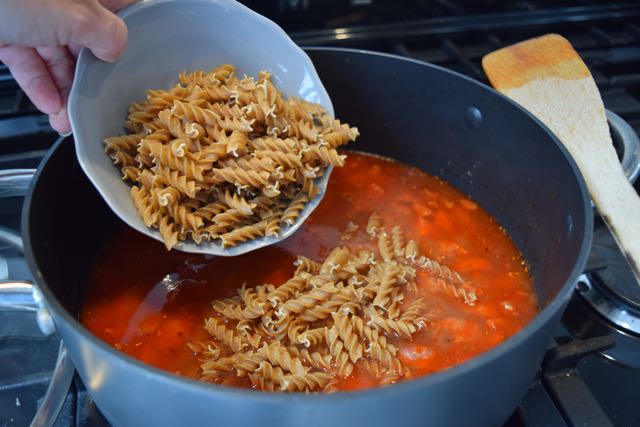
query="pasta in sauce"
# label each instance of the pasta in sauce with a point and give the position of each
(465, 288)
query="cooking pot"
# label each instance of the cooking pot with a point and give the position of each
(420, 114)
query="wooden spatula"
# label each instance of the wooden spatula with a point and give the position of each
(547, 77)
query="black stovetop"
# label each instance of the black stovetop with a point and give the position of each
(579, 383)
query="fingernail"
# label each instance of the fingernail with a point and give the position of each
(59, 120)
(62, 111)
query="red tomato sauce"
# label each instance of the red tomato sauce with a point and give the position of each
(149, 303)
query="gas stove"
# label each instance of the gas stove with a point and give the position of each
(591, 373)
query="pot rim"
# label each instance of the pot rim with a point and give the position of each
(407, 386)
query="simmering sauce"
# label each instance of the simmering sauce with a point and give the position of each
(149, 303)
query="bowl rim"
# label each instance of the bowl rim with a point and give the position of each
(542, 317)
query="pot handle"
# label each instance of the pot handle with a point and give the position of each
(17, 296)
(23, 295)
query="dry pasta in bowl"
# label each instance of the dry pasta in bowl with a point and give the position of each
(223, 158)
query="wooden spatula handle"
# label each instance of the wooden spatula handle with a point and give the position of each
(547, 76)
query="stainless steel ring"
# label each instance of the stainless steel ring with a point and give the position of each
(623, 317)
(630, 145)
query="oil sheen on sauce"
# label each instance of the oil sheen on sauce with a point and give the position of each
(149, 303)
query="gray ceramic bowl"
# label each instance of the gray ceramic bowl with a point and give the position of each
(165, 38)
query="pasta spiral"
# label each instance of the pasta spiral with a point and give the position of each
(248, 232)
(309, 299)
(225, 335)
(338, 352)
(350, 340)
(397, 238)
(306, 382)
(293, 210)
(280, 356)
(442, 271)
(287, 290)
(306, 265)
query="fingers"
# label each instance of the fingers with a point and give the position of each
(32, 75)
(63, 22)
(61, 66)
(60, 122)
(74, 49)
(46, 73)
(99, 30)
(116, 5)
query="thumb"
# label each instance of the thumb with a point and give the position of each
(99, 30)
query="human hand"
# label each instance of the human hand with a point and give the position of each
(40, 40)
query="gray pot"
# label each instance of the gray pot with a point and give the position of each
(440, 121)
